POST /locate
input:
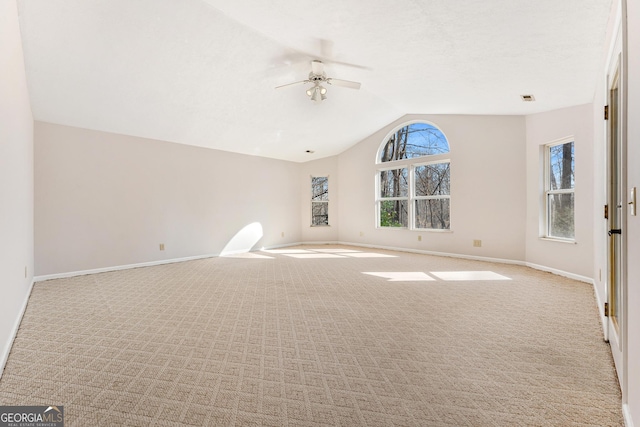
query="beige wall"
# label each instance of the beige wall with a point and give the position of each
(544, 128)
(105, 200)
(16, 179)
(487, 189)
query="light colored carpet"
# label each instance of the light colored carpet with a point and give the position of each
(305, 338)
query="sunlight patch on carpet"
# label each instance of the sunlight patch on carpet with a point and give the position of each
(402, 276)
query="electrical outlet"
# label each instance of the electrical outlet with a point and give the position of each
(419, 238)
(282, 234)
(162, 246)
(477, 243)
(361, 234)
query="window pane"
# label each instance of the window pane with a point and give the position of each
(394, 183)
(414, 140)
(393, 213)
(432, 213)
(561, 214)
(432, 180)
(561, 162)
(319, 213)
(319, 188)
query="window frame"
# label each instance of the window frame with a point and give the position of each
(313, 201)
(547, 192)
(410, 164)
(380, 199)
(414, 197)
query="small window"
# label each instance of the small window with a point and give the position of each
(416, 193)
(319, 200)
(560, 190)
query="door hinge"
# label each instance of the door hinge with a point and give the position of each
(606, 112)
(606, 211)
(606, 309)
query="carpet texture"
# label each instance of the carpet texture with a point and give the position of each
(303, 337)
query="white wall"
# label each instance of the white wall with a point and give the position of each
(105, 200)
(543, 128)
(16, 179)
(322, 167)
(487, 189)
(633, 223)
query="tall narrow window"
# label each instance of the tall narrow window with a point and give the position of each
(560, 190)
(431, 198)
(394, 198)
(319, 200)
(415, 193)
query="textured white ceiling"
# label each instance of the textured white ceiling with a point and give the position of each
(203, 72)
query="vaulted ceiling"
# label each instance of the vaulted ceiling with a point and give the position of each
(203, 72)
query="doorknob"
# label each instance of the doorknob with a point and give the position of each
(614, 231)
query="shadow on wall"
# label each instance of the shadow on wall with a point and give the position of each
(244, 240)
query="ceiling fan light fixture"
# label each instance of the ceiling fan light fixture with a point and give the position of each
(317, 93)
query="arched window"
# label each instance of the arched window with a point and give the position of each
(412, 141)
(414, 179)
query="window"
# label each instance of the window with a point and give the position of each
(416, 193)
(559, 190)
(431, 196)
(394, 198)
(319, 200)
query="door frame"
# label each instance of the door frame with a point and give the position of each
(616, 63)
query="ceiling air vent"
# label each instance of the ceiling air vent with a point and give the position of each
(527, 98)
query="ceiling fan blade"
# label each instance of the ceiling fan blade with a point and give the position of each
(317, 67)
(328, 57)
(293, 84)
(344, 83)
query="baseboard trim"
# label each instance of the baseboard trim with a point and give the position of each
(142, 264)
(118, 267)
(16, 326)
(561, 273)
(363, 245)
(600, 308)
(626, 413)
(444, 254)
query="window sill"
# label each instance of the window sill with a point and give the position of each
(565, 241)
(319, 226)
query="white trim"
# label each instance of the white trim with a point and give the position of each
(118, 267)
(7, 346)
(320, 242)
(444, 254)
(562, 273)
(600, 307)
(558, 240)
(144, 264)
(626, 413)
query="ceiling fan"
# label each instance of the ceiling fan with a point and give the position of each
(318, 77)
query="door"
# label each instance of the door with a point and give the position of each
(616, 218)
